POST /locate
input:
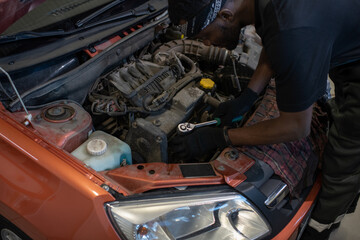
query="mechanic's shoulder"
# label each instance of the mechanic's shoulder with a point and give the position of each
(293, 14)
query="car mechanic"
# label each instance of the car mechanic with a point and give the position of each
(303, 42)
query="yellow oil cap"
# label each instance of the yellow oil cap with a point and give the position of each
(207, 83)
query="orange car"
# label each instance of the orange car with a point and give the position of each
(92, 94)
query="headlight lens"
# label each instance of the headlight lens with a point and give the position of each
(202, 216)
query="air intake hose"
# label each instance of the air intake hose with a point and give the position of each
(216, 55)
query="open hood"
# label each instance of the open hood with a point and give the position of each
(11, 11)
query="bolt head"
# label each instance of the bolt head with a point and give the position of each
(157, 122)
(221, 168)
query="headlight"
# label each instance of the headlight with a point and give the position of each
(211, 215)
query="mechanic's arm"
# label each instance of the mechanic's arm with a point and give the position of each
(287, 127)
(262, 74)
(230, 111)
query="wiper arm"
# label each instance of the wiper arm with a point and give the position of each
(127, 14)
(121, 18)
(98, 12)
(30, 34)
(26, 35)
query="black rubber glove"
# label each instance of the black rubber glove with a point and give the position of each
(231, 111)
(199, 142)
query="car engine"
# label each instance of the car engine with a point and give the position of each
(144, 100)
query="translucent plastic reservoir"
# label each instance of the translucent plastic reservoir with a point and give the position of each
(103, 151)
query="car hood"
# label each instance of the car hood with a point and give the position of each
(11, 11)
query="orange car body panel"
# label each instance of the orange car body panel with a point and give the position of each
(39, 190)
(139, 178)
(50, 195)
(293, 226)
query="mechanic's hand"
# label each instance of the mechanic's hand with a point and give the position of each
(199, 142)
(231, 111)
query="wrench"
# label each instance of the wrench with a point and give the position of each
(188, 127)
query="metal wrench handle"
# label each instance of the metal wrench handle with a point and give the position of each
(204, 124)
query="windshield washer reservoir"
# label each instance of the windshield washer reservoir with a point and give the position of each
(103, 151)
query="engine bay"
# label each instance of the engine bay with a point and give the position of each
(136, 86)
(130, 113)
(144, 101)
